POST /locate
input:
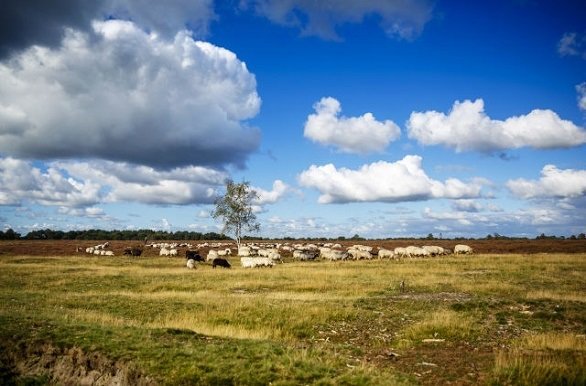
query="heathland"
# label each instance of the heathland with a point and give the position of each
(486, 318)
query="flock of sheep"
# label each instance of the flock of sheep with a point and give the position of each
(100, 250)
(268, 254)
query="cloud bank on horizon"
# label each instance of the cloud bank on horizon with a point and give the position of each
(112, 104)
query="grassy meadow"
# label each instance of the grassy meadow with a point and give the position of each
(481, 319)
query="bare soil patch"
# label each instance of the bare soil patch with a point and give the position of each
(67, 366)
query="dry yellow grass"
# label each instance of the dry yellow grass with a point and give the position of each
(572, 296)
(443, 324)
(554, 341)
(464, 300)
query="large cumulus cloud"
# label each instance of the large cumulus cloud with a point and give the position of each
(127, 95)
(467, 127)
(362, 134)
(403, 180)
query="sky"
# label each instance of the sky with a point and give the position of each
(382, 118)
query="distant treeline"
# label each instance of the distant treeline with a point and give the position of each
(99, 234)
(149, 234)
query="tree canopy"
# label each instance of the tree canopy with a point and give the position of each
(235, 209)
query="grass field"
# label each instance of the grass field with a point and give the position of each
(488, 319)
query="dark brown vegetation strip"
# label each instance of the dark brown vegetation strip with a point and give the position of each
(497, 246)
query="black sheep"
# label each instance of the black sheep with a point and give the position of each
(221, 262)
(193, 255)
(133, 251)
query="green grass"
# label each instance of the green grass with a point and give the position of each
(503, 316)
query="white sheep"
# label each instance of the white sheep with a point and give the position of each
(244, 251)
(417, 251)
(433, 250)
(362, 248)
(275, 256)
(252, 262)
(334, 254)
(303, 255)
(358, 254)
(462, 249)
(225, 252)
(324, 251)
(191, 264)
(385, 254)
(212, 254)
(401, 251)
(164, 252)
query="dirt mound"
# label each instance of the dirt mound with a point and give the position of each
(67, 366)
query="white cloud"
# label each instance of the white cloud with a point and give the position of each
(399, 19)
(78, 186)
(270, 197)
(362, 134)
(462, 218)
(301, 227)
(572, 44)
(164, 225)
(404, 180)
(130, 183)
(266, 197)
(19, 181)
(203, 214)
(91, 212)
(554, 182)
(126, 95)
(581, 90)
(467, 205)
(467, 127)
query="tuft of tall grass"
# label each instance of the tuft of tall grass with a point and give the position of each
(442, 324)
(519, 367)
(554, 341)
(550, 358)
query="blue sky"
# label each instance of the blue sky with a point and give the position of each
(377, 118)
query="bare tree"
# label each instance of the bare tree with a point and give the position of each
(235, 209)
